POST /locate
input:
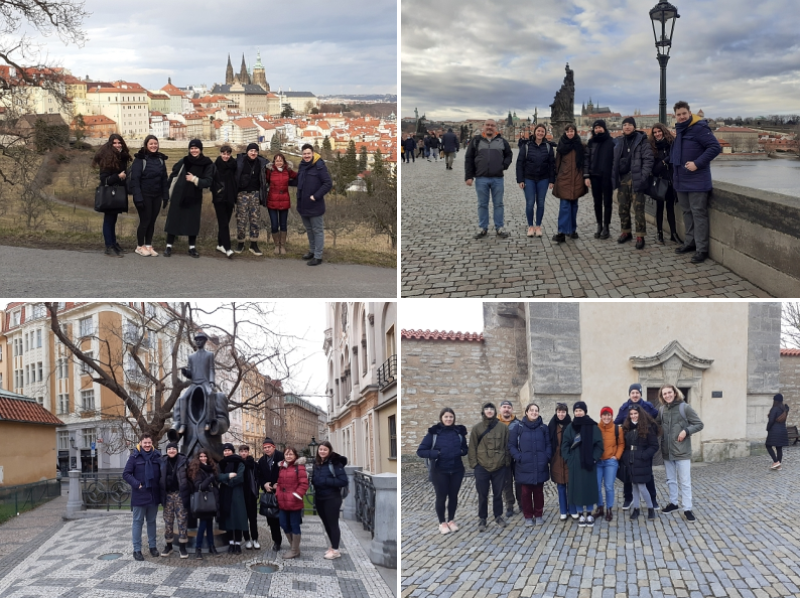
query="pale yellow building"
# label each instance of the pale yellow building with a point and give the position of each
(126, 104)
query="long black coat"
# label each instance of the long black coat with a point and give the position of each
(233, 511)
(206, 481)
(599, 157)
(183, 482)
(265, 473)
(776, 432)
(185, 220)
(639, 461)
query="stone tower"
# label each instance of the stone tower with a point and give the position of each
(229, 72)
(259, 75)
(244, 76)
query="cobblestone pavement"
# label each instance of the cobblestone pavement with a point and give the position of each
(744, 543)
(65, 561)
(440, 258)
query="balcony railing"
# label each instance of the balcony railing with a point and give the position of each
(365, 501)
(387, 373)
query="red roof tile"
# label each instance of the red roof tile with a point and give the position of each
(791, 352)
(437, 335)
(25, 410)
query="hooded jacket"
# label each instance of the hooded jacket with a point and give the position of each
(696, 143)
(326, 485)
(641, 161)
(292, 479)
(312, 179)
(529, 444)
(148, 175)
(777, 434)
(449, 142)
(491, 452)
(451, 445)
(278, 181)
(639, 453)
(134, 474)
(487, 158)
(598, 160)
(181, 464)
(262, 163)
(669, 418)
(409, 144)
(536, 161)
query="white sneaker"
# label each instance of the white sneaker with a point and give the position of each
(229, 253)
(444, 528)
(563, 517)
(152, 251)
(333, 554)
(221, 249)
(248, 545)
(256, 545)
(142, 251)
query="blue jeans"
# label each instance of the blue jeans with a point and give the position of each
(606, 474)
(534, 194)
(562, 501)
(315, 230)
(140, 514)
(204, 526)
(109, 228)
(290, 521)
(277, 219)
(568, 216)
(484, 186)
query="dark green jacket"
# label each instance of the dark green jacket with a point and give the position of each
(492, 452)
(233, 512)
(582, 484)
(669, 417)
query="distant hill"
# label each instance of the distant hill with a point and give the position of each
(355, 98)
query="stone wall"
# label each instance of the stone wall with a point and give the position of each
(763, 367)
(790, 387)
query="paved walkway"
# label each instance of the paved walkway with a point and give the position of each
(53, 558)
(29, 272)
(744, 543)
(440, 257)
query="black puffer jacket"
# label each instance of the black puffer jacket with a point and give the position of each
(325, 484)
(639, 459)
(206, 480)
(149, 175)
(183, 482)
(662, 168)
(261, 167)
(776, 431)
(536, 161)
(599, 158)
(641, 161)
(451, 445)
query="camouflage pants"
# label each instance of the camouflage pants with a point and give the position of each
(247, 215)
(174, 509)
(626, 196)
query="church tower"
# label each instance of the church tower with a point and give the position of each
(229, 72)
(259, 75)
(244, 77)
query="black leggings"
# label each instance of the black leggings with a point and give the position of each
(447, 486)
(602, 193)
(147, 218)
(779, 457)
(251, 506)
(171, 239)
(224, 211)
(328, 510)
(670, 201)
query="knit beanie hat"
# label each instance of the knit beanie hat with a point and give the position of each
(600, 123)
(629, 119)
(172, 445)
(487, 405)
(228, 446)
(778, 397)
(579, 405)
(268, 440)
(196, 143)
(252, 146)
(635, 386)
(608, 410)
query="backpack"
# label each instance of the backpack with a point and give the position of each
(681, 409)
(345, 490)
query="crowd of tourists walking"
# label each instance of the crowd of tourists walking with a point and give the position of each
(513, 458)
(234, 492)
(242, 185)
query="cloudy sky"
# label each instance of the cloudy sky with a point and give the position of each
(318, 46)
(469, 59)
(464, 315)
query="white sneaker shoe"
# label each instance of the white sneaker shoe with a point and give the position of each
(248, 545)
(142, 251)
(221, 249)
(229, 253)
(256, 545)
(152, 251)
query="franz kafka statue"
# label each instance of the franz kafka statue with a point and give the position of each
(200, 416)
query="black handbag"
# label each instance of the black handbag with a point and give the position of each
(110, 198)
(269, 505)
(657, 188)
(203, 503)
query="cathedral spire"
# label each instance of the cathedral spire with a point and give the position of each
(244, 77)
(229, 72)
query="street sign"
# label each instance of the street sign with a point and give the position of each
(94, 446)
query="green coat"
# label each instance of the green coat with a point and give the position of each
(582, 484)
(669, 416)
(233, 513)
(492, 452)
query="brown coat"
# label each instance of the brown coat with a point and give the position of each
(559, 472)
(569, 179)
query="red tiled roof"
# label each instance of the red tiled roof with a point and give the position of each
(25, 410)
(437, 335)
(791, 352)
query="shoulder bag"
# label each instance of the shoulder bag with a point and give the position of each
(203, 503)
(269, 505)
(110, 198)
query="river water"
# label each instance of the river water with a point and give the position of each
(778, 175)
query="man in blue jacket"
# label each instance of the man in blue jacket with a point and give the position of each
(488, 157)
(143, 473)
(635, 398)
(313, 182)
(450, 147)
(694, 148)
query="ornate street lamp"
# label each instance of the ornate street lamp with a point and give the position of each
(663, 17)
(312, 447)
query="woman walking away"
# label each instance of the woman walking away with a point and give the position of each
(529, 444)
(292, 487)
(175, 493)
(598, 164)
(536, 172)
(661, 140)
(112, 158)
(329, 479)
(233, 512)
(444, 445)
(613, 445)
(191, 174)
(202, 475)
(278, 176)
(150, 189)
(641, 445)
(570, 184)
(223, 196)
(777, 436)
(582, 447)
(559, 471)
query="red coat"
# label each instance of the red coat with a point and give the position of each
(292, 479)
(278, 197)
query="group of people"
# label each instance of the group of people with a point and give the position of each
(666, 167)
(514, 457)
(432, 146)
(243, 184)
(236, 483)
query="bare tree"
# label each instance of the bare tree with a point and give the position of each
(380, 204)
(341, 215)
(790, 324)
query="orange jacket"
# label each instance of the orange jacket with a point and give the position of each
(612, 447)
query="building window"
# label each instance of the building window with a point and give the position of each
(85, 369)
(392, 438)
(41, 372)
(1, 381)
(87, 400)
(27, 348)
(63, 440)
(27, 375)
(39, 339)
(63, 403)
(15, 318)
(89, 436)
(86, 327)
(40, 400)
(37, 311)
(1, 352)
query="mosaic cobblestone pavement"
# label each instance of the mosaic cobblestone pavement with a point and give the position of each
(744, 543)
(66, 563)
(441, 259)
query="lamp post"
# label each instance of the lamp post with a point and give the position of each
(312, 447)
(663, 17)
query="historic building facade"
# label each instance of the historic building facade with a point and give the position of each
(302, 421)
(725, 357)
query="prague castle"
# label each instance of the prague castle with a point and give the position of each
(257, 77)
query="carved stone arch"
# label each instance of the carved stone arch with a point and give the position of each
(672, 365)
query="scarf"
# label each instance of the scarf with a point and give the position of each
(553, 427)
(663, 144)
(172, 463)
(207, 467)
(566, 145)
(585, 427)
(599, 137)
(230, 464)
(149, 476)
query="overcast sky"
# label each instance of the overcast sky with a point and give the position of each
(468, 59)
(464, 315)
(318, 46)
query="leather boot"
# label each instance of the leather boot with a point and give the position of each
(605, 234)
(599, 512)
(661, 237)
(609, 515)
(213, 550)
(599, 231)
(283, 242)
(276, 239)
(294, 551)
